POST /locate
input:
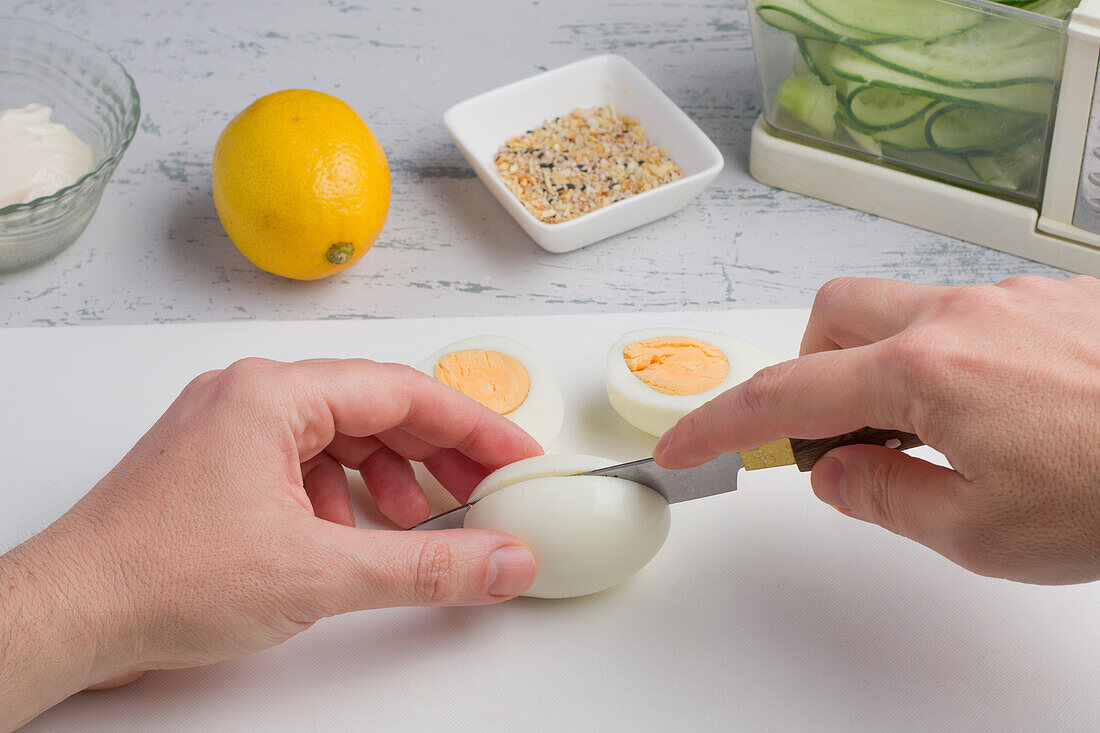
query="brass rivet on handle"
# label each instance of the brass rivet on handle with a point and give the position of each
(776, 453)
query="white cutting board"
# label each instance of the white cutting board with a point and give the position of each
(766, 610)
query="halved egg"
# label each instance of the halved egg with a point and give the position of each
(506, 377)
(655, 376)
(588, 533)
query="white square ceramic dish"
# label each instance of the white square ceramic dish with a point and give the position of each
(480, 125)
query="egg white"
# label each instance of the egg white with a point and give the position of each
(654, 412)
(553, 464)
(588, 533)
(541, 413)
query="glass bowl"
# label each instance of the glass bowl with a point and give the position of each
(93, 96)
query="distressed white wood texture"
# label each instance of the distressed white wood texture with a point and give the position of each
(766, 610)
(156, 253)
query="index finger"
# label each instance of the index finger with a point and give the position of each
(850, 311)
(814, 396)
(357, 398)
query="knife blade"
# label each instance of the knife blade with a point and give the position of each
(713, 477)
(719, 476)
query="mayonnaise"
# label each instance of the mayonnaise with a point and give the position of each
(38, 156)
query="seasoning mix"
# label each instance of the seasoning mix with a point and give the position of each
(581, 162)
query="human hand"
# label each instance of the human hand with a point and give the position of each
(228, 527)
(1003, 380)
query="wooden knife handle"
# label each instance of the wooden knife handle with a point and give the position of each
(806, 452)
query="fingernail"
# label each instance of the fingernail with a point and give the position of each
(511, 571)
(829, 483)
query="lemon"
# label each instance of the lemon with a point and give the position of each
(301, 184)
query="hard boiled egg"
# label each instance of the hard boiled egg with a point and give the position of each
(506, 377)
(588, 533)
(655, 376)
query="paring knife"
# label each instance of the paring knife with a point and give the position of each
(720, 475)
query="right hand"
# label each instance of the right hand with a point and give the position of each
(1003, 380)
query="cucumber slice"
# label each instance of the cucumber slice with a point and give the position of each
(1017, 169)
(797, 17)
(865, 142)
(900, 18)
(910, 137)
(799, 65)
(882, 108)
(1035, 97)
(815, 55)
(937, 165)
(997, 52)
(810, 102)
(960, 129)
(1052, 8)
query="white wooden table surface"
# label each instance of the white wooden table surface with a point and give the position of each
(155, 251)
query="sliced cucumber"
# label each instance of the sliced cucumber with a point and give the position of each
(1053, 8)
(935, 164)
(998, 52)
(946, 89)
(900, 18)
(909, 137)
(810, 102)
(815, 55)
(799, 65)
(1035, 97)
(882, 108)
(797, 17)
(962, 130)
(865, 142)
(1017, 169)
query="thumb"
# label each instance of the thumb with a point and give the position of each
(459, 567)
(906, 495)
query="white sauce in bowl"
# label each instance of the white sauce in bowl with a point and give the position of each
(38, 157)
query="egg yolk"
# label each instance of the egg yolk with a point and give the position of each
(496, 380)
(676, 365)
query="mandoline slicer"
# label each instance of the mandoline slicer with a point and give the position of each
(1059, 224)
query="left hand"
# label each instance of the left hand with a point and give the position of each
(228, 527)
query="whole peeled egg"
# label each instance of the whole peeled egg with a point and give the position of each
(506, 377)
(588, 533)
(655, 376)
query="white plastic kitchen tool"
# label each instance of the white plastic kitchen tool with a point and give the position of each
(1027, 183)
